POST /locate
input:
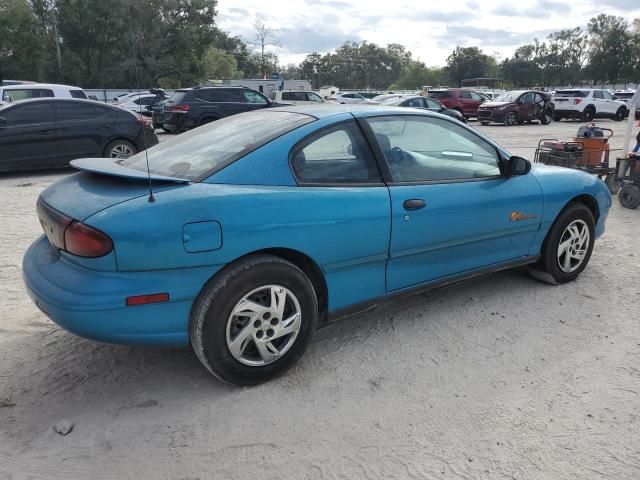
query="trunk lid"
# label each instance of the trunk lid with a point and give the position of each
(102, 184)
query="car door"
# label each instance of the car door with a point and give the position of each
(339, 180)
(467, 103)
(477, 101)
(82, 129)
(526, 106)
(452, 211)
(432, 105)
(27, 137)
(610, 105)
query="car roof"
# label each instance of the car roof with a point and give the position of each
(38, 85)
(323, 110)
(62, 100)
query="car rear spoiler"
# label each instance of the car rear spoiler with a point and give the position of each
(107, 166)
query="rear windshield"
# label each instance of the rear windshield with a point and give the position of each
(446, 94)
(177, 97)
(573, 93)
(196, 154)
(393, 101)
(623, 95)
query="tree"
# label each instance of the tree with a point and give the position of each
(264, 38)
(218, 65)
(610, 47)
(416, 75)
(468, 62)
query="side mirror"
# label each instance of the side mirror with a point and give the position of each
(3, 122)
(518, 166)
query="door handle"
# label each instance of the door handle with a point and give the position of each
(414, 204)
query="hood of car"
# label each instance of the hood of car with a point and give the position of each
(492, 104)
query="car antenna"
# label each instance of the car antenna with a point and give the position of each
(144, 135)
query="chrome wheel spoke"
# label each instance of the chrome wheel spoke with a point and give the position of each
(278, 300)
(245, 306)
(268, 352)
(290, 325)
(239, 344)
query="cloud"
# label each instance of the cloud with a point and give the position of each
(321, 37)
(624, 5)
(486, 37)
(543, 9)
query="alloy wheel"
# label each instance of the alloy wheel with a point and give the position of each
(263, 325)
(511, 119)
(121, 150)
(573, 246)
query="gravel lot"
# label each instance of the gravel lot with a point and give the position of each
(498, 378)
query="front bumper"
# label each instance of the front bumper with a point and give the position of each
(491, 116)
(91, 303)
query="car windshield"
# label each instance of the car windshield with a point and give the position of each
(507, 97)
(202, 151)
(572, 93)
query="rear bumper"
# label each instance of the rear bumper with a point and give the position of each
(567, 113)
(147, 138)
(91, 303)
(177, 122)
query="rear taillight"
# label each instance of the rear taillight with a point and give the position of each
(177, 108)
(86, 241)
(576, 101)
(72, 236)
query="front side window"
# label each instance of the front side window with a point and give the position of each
(606, 95)
(339, 154)
(253, 97)
(527, 97)
(477, 96)
(432, 104)
(294, 96)
(414, 102)
(465, 94)
(314, 97)
(200, 152)
(30, 114)
(424, 149)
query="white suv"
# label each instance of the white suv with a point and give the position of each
(587, 104)
(14, 93)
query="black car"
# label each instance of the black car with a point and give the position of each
(424, 103)
(191, 107)
(46, 133)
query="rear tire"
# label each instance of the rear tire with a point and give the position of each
(204, 121)
(567, 249)
(629, 196)
(557, 118)
(120, 149)
(588, 114)
(239, 304)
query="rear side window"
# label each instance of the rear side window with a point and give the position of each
(339, 154)
(217, 95)
(598, 94)
(29, 114)
(77, 94)
(196, 154)
(294, 96)
(446, 94)
(573, 93)
(253, 97)
(70, 111)
(26, 94)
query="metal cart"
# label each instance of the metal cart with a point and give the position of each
(628, 174)
(587, 153)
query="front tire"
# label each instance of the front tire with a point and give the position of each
(629, 196)
(567, 249)
(254, 320)
(511, 119)
(620, 114)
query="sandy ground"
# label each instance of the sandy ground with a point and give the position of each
(499, 378)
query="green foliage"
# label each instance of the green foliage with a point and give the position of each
(610, 47)
(468, 62)
(416, 75)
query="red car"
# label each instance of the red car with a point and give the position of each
(461, 99)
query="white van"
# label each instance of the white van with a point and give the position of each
(14, 93)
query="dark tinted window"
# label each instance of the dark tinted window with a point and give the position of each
(528, 97)
(339, 154)
(146, 101)
(30, 114)
(432, 104)
(69, 111)
(25, 94)
(253, 97)
(572, 93)
(218, 95)
(414, 102)
(597, 94)
(466, 95)
(294, 96)
(476, 96)
(179, 96)
(446, 94)
(77, 94)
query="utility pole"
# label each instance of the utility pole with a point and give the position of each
(58, 42)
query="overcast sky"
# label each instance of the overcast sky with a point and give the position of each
(429, 29)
